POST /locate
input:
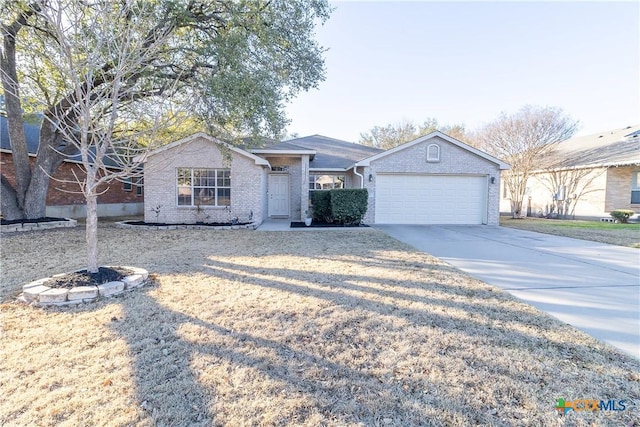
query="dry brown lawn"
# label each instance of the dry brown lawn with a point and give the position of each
(313, 328)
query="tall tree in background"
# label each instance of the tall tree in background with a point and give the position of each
(522, 139)
(236, 63)
(109, 76)
(392, 135)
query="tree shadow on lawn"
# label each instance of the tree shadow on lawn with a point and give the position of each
(351, 291)
(170, 389)
(459, 382)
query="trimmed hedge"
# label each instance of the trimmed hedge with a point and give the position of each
(348, 206)
(321, 202)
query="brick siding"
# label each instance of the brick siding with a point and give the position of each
(453, 160)
(64, 190)
(160, 190)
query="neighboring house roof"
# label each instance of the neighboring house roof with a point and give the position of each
(368, 160)
(32, 137)
(619, 147)
(31, 133)
(256, 159)
(330, 153)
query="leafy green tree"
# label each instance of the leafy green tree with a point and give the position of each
(235, 64)
(392, 135)
(113, 76)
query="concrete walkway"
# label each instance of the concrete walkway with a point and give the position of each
(284, 224)
(592, 286)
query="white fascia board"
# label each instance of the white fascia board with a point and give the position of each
(328, 169)
(368, 160)
(283, 152)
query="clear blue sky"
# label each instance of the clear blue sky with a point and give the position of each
(466, 62)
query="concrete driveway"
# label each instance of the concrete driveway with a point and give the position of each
(592, 286)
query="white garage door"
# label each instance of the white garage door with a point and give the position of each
(430, 199)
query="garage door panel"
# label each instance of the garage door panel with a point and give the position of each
(430, 199)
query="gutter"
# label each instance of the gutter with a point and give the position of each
(355, 171)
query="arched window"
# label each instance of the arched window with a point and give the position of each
(433, 153)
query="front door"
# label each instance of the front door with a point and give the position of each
(278, 195)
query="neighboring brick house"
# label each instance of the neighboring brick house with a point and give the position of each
(434, 179)
(63, 197)
(586, 177)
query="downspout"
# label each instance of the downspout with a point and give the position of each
(355, 171)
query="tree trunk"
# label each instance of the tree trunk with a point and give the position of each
(91, 233)
(9, 201)
(516, 208)
(17, 140)
(47, 161)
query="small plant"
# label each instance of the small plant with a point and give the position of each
(156, 211)
(622, 215)
(201, 212)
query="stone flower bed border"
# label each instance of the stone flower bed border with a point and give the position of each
(251, 226)
(31, 226)
(39, 294)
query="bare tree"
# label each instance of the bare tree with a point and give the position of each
(522, 139)
(106, 135)
(238, 62)
(566, 183)
(392, 135)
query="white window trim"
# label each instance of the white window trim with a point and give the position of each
(430, 158)
(193, 188)
(335, 179)
(635, 186)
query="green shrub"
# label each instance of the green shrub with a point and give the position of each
(348, 206)
(321, 205)
(621, 215)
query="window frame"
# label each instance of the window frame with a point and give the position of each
(139, 186)
(635, 188)
(430, 158)
(335, 178)
(212, 181)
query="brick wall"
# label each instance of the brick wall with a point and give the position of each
(63, 188)
(618, 193)
(453, 160)
(160, 178)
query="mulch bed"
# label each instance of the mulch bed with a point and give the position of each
(84, 278)
(162, 224)
(315, 224)
(30, 221)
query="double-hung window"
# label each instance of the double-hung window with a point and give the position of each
(635, 188)
(204, 187)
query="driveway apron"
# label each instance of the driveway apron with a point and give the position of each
(592, 286)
